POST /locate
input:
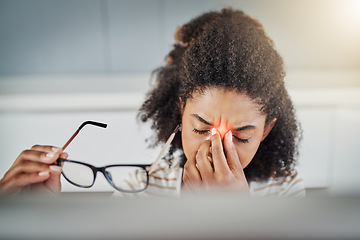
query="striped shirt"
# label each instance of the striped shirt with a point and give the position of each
(166, 178)
(289, 186)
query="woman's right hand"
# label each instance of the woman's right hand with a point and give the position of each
(35, 169)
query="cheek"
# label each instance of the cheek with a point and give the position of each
(190, 141)
(247, 151)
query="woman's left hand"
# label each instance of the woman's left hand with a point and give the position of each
(214, 169)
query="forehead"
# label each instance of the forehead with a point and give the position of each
(216, 104)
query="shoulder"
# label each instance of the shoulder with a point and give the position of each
(289, 186)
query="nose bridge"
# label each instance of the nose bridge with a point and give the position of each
(222, 129)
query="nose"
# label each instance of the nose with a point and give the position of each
(222, 130)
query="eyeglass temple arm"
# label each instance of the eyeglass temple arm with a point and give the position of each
(167, 144)
(103, 125)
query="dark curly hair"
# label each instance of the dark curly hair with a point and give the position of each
(228, 50)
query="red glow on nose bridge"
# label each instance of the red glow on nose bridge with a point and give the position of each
(222, 130)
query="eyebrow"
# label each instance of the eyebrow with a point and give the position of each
(201, 119)
(247, 127)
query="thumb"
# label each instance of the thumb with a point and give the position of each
(53, 183)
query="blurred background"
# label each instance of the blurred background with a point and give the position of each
(64, 62)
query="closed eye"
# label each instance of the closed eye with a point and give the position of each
(200, 131)
(241, 140)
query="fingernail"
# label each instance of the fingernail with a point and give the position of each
(230, 135)
(213, 131)
(55, 168)
(56, 149)
(44, 173)
(50, 154)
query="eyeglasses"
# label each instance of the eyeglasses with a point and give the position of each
(129, 178)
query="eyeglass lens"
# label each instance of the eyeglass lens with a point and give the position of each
(127, 178)
(123, 178)
(78, 174)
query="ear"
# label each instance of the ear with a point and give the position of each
(268, 127)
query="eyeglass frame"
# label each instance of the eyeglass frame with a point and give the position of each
(147, 167)
(102, 170)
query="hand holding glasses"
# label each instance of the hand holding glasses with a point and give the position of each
(123, 177)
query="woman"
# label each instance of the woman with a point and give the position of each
(224, 84)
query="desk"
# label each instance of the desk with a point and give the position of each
(201, 216)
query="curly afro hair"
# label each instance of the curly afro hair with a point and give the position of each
(228, 50)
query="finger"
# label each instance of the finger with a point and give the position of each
(37, 156)
(191, 183)
(186, 181)
(204, 165)
(25, 179)
(26, 167)
(219, 159)
(46, 148)
(53, 182)
(191, 172)
(48, 179)
(234, 161)
(231, 154)
(187, 185)
(64, 155)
